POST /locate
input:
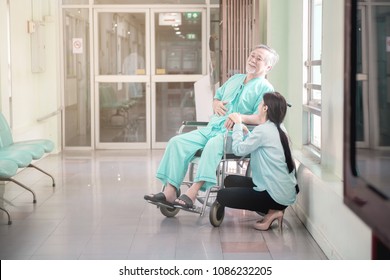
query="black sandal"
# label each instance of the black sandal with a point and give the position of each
(188, 204)
(158, 198)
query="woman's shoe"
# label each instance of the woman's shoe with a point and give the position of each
(269, 219)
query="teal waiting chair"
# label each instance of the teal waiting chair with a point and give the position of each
(22, 159)
(7, 139)
(8, 169)
(35, 148)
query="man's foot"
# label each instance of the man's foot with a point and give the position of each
(158, 198)
(184, 202)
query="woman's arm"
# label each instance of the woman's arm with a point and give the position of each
(243, 146)
(251, 119)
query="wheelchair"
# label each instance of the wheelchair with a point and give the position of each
(229, 164)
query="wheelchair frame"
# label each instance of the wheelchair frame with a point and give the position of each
(217, 212)
(207, 199)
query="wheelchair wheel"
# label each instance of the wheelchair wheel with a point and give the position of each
(217, 213)
(209, 202)
(169, 212)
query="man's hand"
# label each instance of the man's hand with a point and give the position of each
(219, 107)
(235, 117)
(232, 119)
(229, 124)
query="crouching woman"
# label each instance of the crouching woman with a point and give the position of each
(273, 185)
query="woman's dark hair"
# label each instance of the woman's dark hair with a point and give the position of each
(277, 108)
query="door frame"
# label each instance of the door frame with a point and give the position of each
(97, 78)
(150, 78)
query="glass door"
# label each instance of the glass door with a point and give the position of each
(178, 60)
(76, 78)
(129, 72)
(122, 79)
(138, 106)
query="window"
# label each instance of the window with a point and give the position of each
(312, 92)
(366, 176)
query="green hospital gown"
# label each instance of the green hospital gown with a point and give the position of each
(242, 98)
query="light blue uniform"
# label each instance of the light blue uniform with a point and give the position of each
(242, 98)
(268, 162)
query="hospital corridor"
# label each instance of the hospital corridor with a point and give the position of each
(106, 86)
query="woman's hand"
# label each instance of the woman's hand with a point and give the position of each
(245, 130)
(233, 118)
(229, 124)
(236, 118)
(219, 107)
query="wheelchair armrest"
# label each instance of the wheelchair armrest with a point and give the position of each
(194, 123)
(191, 124)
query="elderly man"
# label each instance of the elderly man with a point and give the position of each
(242, 93)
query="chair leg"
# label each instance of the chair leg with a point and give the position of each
(36, 167)
(9, 216)
(21, 185)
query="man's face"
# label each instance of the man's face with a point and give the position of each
(256, 62)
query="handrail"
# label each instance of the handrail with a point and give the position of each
(52, 114)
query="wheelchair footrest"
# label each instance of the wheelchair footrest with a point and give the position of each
(193, 210)
(160, 204)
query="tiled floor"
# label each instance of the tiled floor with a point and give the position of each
(97, 211)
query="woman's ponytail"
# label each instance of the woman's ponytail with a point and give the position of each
(277, 108)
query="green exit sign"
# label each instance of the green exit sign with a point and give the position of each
(192, 15)
(190, 36)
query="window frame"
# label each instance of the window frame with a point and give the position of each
(312, 106)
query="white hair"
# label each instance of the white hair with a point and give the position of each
(273, 56)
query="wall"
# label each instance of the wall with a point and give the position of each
(34, 95)
(4, 48)
(339, 232)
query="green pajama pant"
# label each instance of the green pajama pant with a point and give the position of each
(181, 150)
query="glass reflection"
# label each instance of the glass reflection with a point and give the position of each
(175, 103)
(316, 31)
(122, 44)
(117, 2)
(178, 43)
(77, 93)
(315, 135)
(373, 163)
(122, 112)
(214, 46)
(360, 125)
